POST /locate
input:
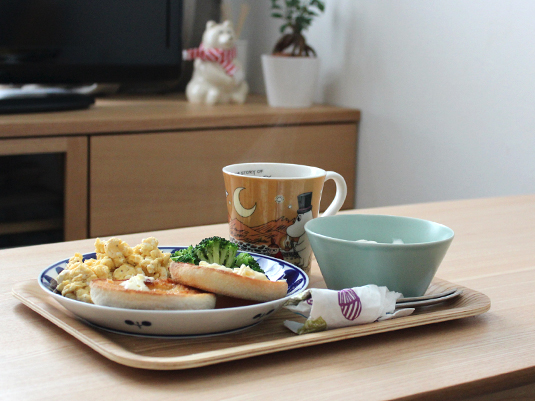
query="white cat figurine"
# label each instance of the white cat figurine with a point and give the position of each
(217, 74)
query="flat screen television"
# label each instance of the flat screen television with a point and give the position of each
(80, 42)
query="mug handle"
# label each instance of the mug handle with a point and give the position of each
(341, 193)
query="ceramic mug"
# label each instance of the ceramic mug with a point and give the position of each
(269, 203)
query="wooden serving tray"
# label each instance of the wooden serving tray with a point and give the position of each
(267, 337)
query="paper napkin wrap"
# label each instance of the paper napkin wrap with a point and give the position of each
(330, 309)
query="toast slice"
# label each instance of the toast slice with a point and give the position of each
(161, 295)
(227, 282)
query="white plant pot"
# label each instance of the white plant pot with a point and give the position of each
(290, 81)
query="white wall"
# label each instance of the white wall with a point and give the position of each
(446, 90)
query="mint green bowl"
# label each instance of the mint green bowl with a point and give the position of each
(406, 267)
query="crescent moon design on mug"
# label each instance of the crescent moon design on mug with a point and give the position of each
(243, 212)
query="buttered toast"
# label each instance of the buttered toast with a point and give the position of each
(156, 295)
(227, 282)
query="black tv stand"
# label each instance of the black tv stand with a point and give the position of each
(22, 101)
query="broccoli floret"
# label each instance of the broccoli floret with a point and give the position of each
(186, 255)
(245, 259)
(216, 250)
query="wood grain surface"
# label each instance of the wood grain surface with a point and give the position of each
(163, 113)
(126, 152)
(76, 172)
(179, 174)
(268, 337)
(492, 253)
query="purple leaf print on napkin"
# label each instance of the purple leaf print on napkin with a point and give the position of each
(350, 304)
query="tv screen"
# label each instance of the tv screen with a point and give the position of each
(79, 42)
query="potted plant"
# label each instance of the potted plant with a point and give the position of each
(290, 72)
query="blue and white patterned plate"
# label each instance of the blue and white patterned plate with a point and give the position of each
(180, 323)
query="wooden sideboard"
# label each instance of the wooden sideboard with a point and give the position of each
(152, 163)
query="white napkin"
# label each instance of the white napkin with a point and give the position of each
(330, 309)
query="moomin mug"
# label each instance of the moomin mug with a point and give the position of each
(269, 204)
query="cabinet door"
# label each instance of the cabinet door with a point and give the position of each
(74, 221)
(146, 182)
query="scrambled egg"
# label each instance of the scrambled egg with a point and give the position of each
(115, 260)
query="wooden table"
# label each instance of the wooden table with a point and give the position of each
(493, 253)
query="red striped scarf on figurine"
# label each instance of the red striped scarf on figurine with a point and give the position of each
(221, 56)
